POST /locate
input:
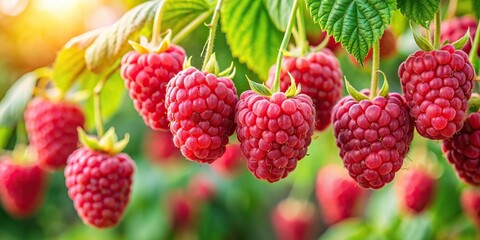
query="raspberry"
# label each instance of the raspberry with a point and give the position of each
(231, 161)
(274, 132)
(99, 185)
(463, 150)
(316, 39)
(455, 28)
(159, 147)
(146, 76)
(373, 136)
(201, 113)
(437, 85)
(294, 220)
(338, 195)
(320, 77)
(22, 187)
(182, 210)
(470, 201)
(416, 190)
(52, 130)
(201, 188)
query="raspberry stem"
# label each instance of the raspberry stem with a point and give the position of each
(97, 108)
(157, 24)
(191, 26)
(302, 44)
(211, 37)
(436, 36)
(476, 41)
(283, 47)
(375, 69)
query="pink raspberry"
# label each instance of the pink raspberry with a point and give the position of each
(201, 188)
(52, 130)
(455, 28)
(146, 76)
(416, 190)
(99, 185)
(320, 77)
(317, 38)
(437, 85)
(22, 187)
(294, 220)
(470, 201)
(338, 195)
(182, 210)
(201, 110)
(374, 137)
(159, 147)
(463, 150)
(274, 132)
(231, 162)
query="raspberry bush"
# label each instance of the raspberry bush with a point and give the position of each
(203, 89)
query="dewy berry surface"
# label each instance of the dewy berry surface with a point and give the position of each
(201, 110)
(374, 137)
(455, 28)
(463, 150)
(320, 77)
(146, 77)
(416, 190)
(99, 185)
(52, 130)
(22, 187)
(437, 85)
(274, 132)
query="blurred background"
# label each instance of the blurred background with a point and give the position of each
(174, 198)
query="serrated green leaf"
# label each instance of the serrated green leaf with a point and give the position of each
(16, 99)
(259, 88)
(419, 11)
(356, 24)
(112, 43)
(460, 43)
(279, 12)
(251, 34)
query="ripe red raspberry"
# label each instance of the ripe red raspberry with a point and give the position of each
(294, 220)
(231, 161)
(159, 147)
(416, 189)
(470, 201)
(373, 136)
(22, 187)
(317, 38)
(52, 130)
(320, 77)
(455, 28)
(146, 76)
(274, 132)
(339, 197)
(99, 185)
(437, 85)
(463, 150)
(201, 113)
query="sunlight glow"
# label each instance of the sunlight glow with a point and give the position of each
(56, 6)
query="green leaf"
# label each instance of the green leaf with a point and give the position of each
(476, 7)
(356, 24)
(16, 99)
(112, 43)
(419, 11)
(279, 10)
(5, 133)
(349, 229)
(251, 34)
(259, 88)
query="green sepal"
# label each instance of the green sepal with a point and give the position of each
(293, 90)
(354, 93)
(187, 62)
(474, 103)
(259, 88)
(144, 46)
(385, 87)
(421, 41)
(108, 143)
(212, 65)
(229, 72)
(460, 43)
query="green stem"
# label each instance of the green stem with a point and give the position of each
(283, 47)
(452, 8)
(191, 26)
(476, 41)
(97, 108)
(436, 36)
(21, 133)
(375, 68)
(302, 44)
(427, 35)
(211, 37)
(157, 23)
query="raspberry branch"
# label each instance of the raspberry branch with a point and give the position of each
(211, 37)
(476, 41)
(375, 68)
(436, 36)
(157, 24)
(97, 108)
(283, 47)
(302, 41)
(190, 27)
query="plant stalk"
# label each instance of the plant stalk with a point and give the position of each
(436, 36)
(476, 41)
(375, 68)
(157, 23)
(302, 44)
(211, 37)
(283, 47)
(191, 26)
(97, 108)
